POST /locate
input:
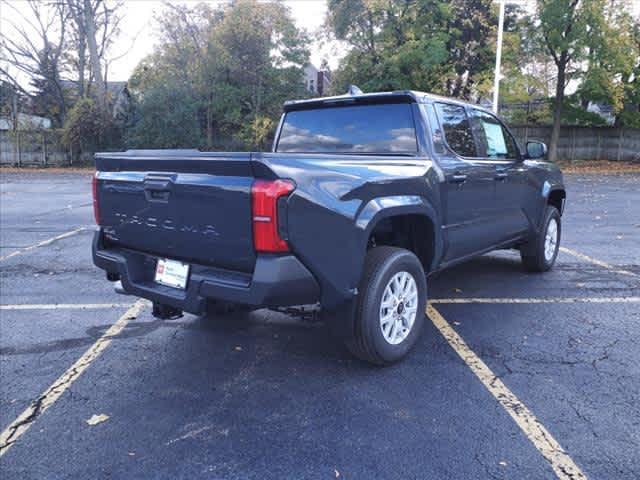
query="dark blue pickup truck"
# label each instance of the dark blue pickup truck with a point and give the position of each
(363, 197)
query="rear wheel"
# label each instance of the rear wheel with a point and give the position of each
(539, 254)
(391, 306)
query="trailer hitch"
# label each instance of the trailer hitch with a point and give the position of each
(165, 312)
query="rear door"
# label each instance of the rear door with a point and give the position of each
(468, 192)
(185, 205)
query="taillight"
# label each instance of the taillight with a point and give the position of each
(264, 209)
(96, 207)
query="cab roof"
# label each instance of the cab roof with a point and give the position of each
(400, 96)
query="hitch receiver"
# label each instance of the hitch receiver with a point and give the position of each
(165, 312)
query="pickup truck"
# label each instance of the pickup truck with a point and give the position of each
(361, 200)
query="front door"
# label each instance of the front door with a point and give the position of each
(498, 148)
(468, 193)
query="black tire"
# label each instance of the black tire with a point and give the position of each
(368, 341)
(533, 252)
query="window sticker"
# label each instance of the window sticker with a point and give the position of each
(496, 145)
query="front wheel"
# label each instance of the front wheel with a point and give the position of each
(539, 254)
(391, 306)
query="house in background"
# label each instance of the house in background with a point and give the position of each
(25, 121)
(23, 140)
(118, 96)
(603, 110)
(317, 81)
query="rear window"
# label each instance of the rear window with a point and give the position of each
(384, 128)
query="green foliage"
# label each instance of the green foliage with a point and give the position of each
(87, 128)
(219, 77)
(612, 53)
(166, 114)
(593, 44)
(629, 118)
(258, 132)
(83, 127)
(434, 45)
(573, 113)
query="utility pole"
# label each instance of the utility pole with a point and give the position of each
(496, 76)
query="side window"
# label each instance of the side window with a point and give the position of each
(457, 129)
(436, 132)
(494, 137)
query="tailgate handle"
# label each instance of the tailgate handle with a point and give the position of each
(157, 190)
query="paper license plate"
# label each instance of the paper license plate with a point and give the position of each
(172, 273)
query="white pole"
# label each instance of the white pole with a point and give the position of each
(496, 77)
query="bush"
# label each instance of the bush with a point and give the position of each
(88, 128)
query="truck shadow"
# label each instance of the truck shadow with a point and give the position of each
(285, 332)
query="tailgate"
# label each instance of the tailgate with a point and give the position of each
(181, 204)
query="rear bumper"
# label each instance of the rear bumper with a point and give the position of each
(280, 280)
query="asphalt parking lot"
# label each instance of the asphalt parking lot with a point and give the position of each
(517, 375)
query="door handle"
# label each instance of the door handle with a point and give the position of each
(458, 178)
(501, 176)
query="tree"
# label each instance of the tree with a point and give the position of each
(225, 71)
(83, 130)
(102, 19)
(611, 55)
(166, 111)
(94, 27)
(52, 40)
(181, 72)
(388, 44)
(440, 46)
(589, 41)
(263, 54)
(630, 116)
(528, 75)
(471, 45)
(34, 49)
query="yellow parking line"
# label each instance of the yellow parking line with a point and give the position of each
(563, 466)
(63, 306)
(21, 424)
(43, 243)
(539, 300)
(600, 263)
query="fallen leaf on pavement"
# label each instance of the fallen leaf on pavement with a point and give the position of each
(96, 419)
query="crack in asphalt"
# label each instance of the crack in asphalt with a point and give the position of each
(21, 424)
(36, 407)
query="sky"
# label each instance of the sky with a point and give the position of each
(138, 20)
(138, 34)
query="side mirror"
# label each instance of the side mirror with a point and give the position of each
(536, 150)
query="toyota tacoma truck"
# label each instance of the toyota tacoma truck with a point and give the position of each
(361, 200)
